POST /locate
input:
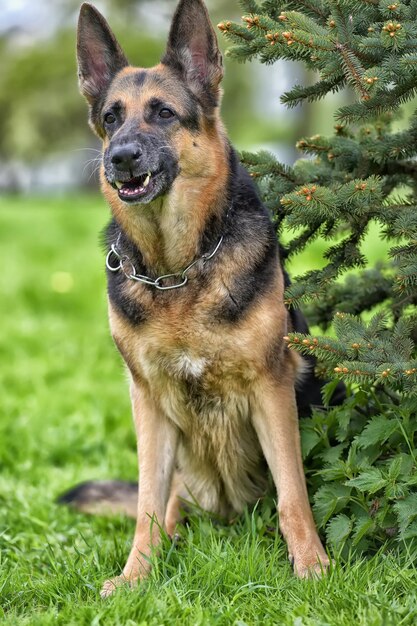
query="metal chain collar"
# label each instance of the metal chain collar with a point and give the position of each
(129, 270)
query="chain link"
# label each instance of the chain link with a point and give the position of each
(125, 264)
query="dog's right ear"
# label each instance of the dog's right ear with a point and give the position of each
(99, 54)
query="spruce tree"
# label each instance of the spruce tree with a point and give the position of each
(362, 455)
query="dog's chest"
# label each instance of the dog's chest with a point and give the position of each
(180, 363)
(196, 372)
(193, 375)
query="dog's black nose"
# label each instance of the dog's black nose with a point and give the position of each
(125, 157)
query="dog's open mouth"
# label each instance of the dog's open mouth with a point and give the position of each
(134, 188)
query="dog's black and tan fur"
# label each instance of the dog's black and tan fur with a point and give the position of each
(212, 382)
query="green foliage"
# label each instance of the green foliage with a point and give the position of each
(361, 455)
(364, 477)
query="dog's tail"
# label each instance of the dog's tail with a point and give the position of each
(103, 497)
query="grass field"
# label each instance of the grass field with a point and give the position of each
(65, 417)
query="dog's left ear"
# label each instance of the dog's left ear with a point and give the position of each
(193, 51)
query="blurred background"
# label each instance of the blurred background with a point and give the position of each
(45, 143)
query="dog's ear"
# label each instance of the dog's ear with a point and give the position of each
(193, 50)
(99, 55)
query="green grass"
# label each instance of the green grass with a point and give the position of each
(65, 417)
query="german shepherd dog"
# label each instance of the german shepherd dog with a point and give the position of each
(195, 290)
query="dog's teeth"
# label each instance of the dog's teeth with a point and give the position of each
(147, 179)
(118, 184)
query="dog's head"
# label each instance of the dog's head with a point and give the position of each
(154, 122)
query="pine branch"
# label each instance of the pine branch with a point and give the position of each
(314, 92)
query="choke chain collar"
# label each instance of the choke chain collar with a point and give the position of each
(124, 263)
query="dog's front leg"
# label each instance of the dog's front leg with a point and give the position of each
(276, 423)
(157, 443)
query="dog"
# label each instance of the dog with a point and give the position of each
(195, 292)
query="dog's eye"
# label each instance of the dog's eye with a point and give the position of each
(109, 118)
(166, 113)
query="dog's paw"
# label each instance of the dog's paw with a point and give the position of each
(112, 584)
(314, 567)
